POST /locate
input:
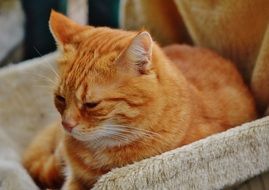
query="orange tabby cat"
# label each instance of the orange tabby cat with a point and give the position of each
(123, 99)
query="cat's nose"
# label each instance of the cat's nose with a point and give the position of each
(68, 125)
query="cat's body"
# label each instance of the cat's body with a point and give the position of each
(122, 100)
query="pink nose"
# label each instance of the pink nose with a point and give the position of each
(68, 126)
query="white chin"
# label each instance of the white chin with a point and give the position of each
(99, 140)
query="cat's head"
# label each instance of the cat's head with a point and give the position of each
(108, 86)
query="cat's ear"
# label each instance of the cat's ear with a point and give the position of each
(139, 52)
(62, 28)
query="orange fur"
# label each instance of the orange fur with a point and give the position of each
(122, 99)
(43, 160)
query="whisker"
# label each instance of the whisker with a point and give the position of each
(46, 78)
(115, 135)
(129, 134)
(47, 86)
(101, 136)
(122, 127)
(137, 133)
(47, 63)
(111, 132)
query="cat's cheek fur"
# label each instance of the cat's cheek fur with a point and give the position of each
(81, 134)
(102, 136)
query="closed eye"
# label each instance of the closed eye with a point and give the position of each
(60, 99)
(90, 105)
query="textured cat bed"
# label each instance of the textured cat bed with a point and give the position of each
(216, 162)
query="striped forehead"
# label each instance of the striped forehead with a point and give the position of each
(91, 70)
(88, 55)
(103, 40)
(82, 92)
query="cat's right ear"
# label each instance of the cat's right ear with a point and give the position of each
(137, 57)
(62, 28)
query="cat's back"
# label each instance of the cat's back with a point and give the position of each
(217, 80)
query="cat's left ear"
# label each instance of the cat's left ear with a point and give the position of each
(139, 52)
(62, 28)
